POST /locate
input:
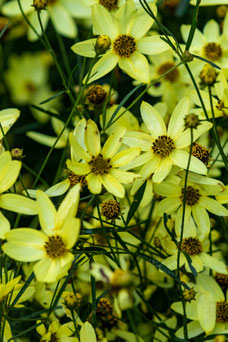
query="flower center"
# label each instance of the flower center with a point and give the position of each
(30, 87)
(96, 94)
(99, 165)
(105, 313)
(55, 247)
(192, 195)
(54, 338)
(189, 295)
(201, 153)
(110, 209)
(222, 279)
(163, 146)
(191, 245)
(124, 45)
(172, 75)
(222, 312)
(109, 4)
(212, 51)
(75, 179)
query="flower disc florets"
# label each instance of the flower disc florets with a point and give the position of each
(201, 152)
(40, 4)
(75, 179)
(212, 51)
(110, 209)
(124, 45)
(109, 4)
(222, 279)
(192, 246)
(163, 146)
(99, 165)
(189, 295)
(55, 247)
(96, 94)
(173, 75)
(222, 312)
(192, 195)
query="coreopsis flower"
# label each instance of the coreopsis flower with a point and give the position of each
(127, 32)
(165, 147)
(51, 245)
(101, 165)
(57, 332)
(198, 201)
(197, 248)
(210, 44)
(60, 12)
(208, 311)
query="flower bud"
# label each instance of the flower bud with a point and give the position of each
(40, 4)
(103, 43)
(189, 295)
(17, 153)
(191, 121)
(208, 75)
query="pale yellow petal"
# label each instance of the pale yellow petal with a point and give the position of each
(103, 22)
(152, 45)
(136, 66)
(113, 186)
(92, 138)
(78, 168)
(113, 142)
(85, 48)
(94, 183)
(4, 226)
(19, 204)
(181, 157)
(152, 120)
(124, 157)
(87, 333)
(123, 176)
(78, 151)
(176, 123)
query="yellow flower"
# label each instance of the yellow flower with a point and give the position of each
(57, 332)
(209, 44)
(165, 147)
(127, 32)
(208, 311)
(198, 201)
(52, 245)
(101, 164)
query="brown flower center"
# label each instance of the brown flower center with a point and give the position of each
(96, 94)
(99, 165)
(201, 153)
(212, 51)
(124, 45)
(173, 75)
(191, 245)
(75, 179)
(222, 312)
(55, 247)
(109, 4)
(222, 279)
(192, 195)
(110, 209)
(163, 146)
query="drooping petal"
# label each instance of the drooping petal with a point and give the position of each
(19, 204)
(85, 48)
(62, 20)
(206, 304)
(113, 186)
(181, 157)
(201, 218)
(58, 189)
(152, 120)
(105, 64)
(124, 157)
(123, 176)
(213, 263)
(25, 244)
(46, 212)
(162, 170)
(78, 168)
(176, 123)
(11, 175)
(206, 283)
(92, 138)
(94, 183)
(103, 22)
(213, 206)
(68, 207)
(113, 142)
(46, 140)
(152, 45)
(78, 151)
(136, 66)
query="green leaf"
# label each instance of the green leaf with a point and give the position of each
(26, 284)
(53, 97)
(189, 260)
(134, 205)
(207, 61)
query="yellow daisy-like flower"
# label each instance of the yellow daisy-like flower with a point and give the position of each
(210, 44)
(127, 32)
(165, 147)
(101, 164)
(208, 311)
(198, 201)
(52, 245)
(56, 332)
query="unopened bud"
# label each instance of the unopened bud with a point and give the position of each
(40, 4)
(72, 301)
(208, 75)
(103, 43)
(221, 11)
(17, 153)
(191, 121)
(189, 295)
